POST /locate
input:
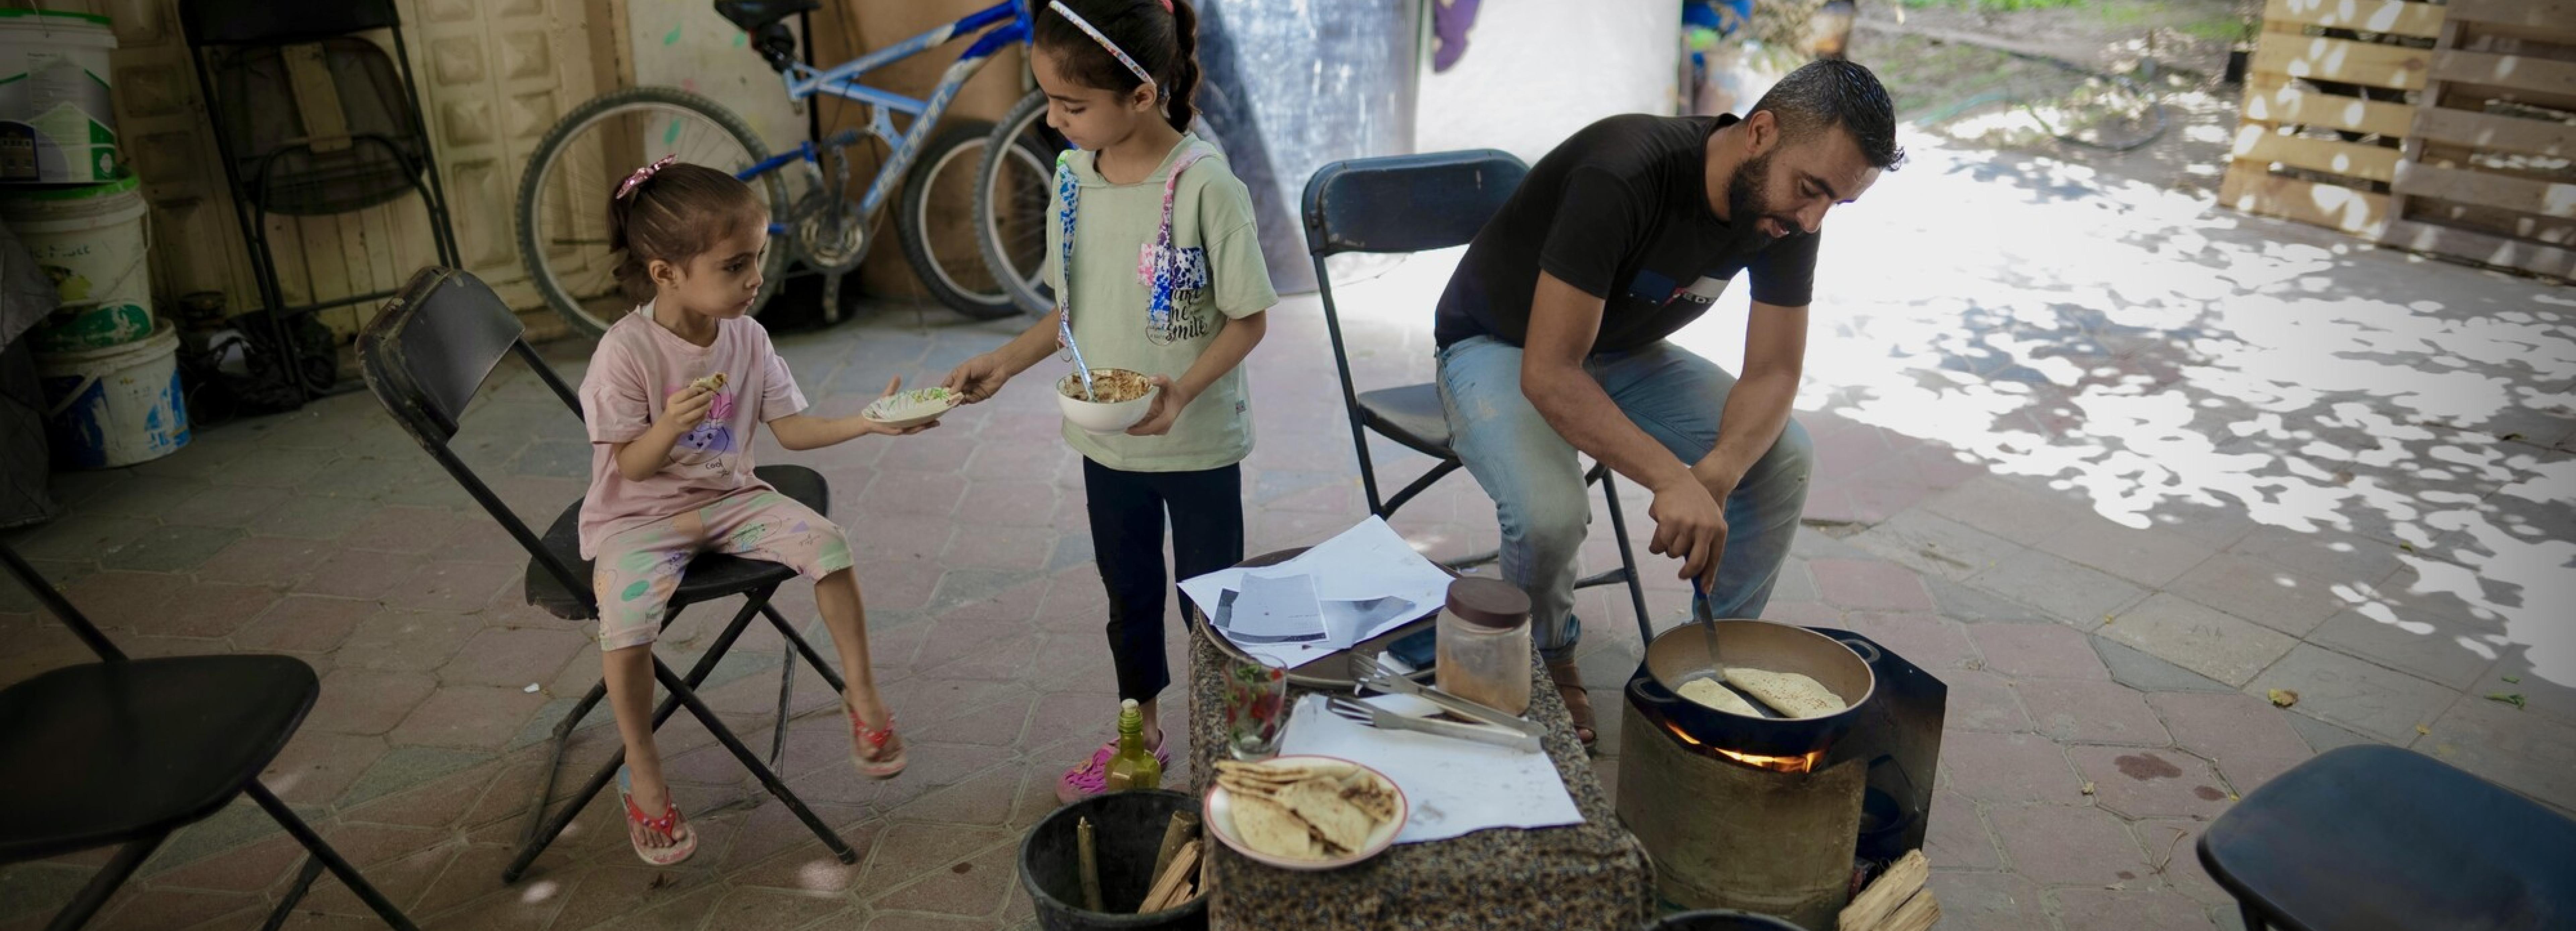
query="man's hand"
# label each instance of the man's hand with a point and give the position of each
(1169, 400)
(1690, 525)
(978, 378)
(684, 410)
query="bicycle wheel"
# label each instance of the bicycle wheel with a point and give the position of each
(1011, 201)
(563, 198)
(943, 245)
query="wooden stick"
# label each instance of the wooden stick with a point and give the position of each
(1179, 829)
(1090, 865)
(1870, 910)
(1169, 884)
(1917, 914)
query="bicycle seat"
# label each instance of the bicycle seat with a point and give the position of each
(753, 14)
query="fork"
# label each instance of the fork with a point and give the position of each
(1352, 709)
(1367, 672)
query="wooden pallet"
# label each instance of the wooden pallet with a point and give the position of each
(2478, 98)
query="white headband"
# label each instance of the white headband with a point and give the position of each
(1096, 36)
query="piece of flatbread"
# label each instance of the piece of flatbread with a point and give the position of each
(715, 382)
(1370, 797)
(1714, 694)
(1319, 802)
(1786, 692)
(1271, 828)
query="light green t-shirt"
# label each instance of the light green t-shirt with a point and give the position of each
(1220, 277)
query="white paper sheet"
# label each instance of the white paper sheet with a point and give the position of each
(1276, 607)
(1455, 787)
(1367, 579)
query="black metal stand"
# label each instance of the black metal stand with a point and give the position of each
(542, 829)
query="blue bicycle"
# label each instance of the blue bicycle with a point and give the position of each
(984, 264)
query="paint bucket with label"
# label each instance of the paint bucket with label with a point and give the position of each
(57, 124)
(117, 406)
(92, 241)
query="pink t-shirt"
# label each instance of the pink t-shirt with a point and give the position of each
(637, 365)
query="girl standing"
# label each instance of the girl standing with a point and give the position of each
(672, 399)
(1165, 278)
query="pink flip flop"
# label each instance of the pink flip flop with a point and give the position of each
(667, 826)
(874, 740)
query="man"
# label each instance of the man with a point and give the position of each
(1552, 337)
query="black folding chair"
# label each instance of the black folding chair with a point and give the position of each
(129, 751)
(426, 355)
(312, 119)
(2372, 836)
(1415, 203)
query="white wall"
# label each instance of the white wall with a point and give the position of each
(684, 44)
(1537, 70)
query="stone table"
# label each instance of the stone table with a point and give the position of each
(1586, 876)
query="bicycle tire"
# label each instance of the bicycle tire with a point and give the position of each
(549, 284)
(1023, 125)
(913, 224)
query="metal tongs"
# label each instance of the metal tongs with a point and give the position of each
(1370, 672)
(1353, 709)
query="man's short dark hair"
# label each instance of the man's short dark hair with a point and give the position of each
(1830, 93)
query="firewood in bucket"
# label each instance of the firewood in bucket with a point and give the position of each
(1089, 863)
(1181, 828)
(1171, 885)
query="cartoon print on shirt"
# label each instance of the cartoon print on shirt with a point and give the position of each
(711, 440)
(1189, 283)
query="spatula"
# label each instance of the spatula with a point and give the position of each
(1706, 617)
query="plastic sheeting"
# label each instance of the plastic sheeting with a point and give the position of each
(1297, 86)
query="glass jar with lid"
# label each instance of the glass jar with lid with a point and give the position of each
(1484, 644)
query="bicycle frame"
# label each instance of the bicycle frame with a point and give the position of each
(804, 81)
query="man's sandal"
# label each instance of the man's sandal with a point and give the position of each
(868, 746)
(683, 841)
(1578, 703)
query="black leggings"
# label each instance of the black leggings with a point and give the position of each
(1127, 513)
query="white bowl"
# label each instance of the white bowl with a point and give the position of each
(904, 410)
(1217, 814)
(1097, 416)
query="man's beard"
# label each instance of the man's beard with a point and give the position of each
(1745, 203)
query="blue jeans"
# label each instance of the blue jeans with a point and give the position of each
(1537, 485)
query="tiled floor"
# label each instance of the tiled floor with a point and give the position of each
(2114, 466)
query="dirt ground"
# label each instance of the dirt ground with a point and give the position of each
(2130, 87)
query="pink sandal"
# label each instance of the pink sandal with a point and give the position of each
(668, 826)
(1091, 777)
(874, 740)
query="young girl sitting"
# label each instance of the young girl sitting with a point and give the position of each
(673, 397)
(1165, 278)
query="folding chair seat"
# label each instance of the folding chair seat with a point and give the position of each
(709, 577)
(126, 752)
(426, 355)
(1416, 203)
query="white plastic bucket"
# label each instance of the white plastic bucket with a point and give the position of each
(118, 406)
(57, 124)
(93, 242)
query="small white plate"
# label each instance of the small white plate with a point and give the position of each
(904, 410)
(1218, 815)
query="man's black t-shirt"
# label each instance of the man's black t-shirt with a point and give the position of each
(1620, 211)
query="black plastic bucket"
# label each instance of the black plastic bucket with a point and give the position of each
(1721, 919)
(1126, 833)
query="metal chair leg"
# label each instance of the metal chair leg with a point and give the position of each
(95, 893)
(768, 779)
(304, 877)
(803, 647)
(554, 759)
(1628, 558)
(348, 875)
(786, 697)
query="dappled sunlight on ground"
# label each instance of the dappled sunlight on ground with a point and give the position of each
(2150, 351)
